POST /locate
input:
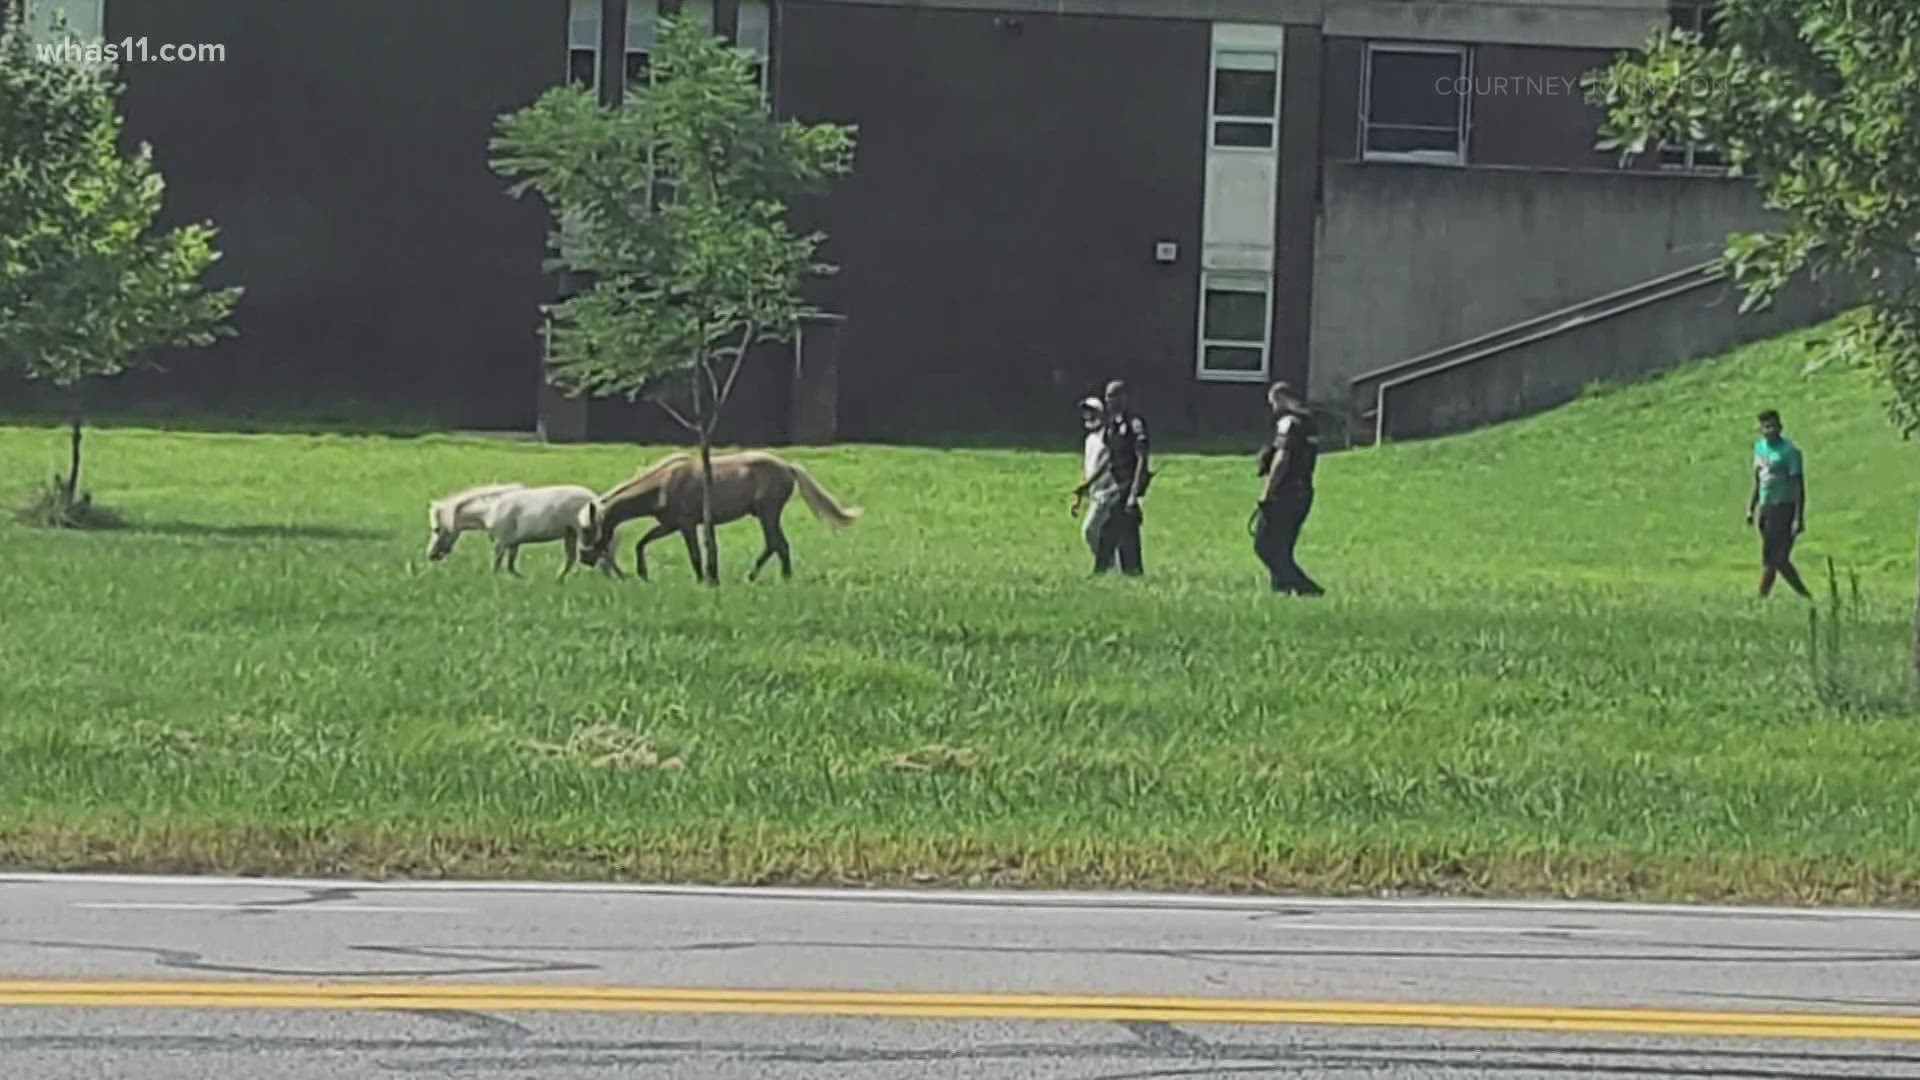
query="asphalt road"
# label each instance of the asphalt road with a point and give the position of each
(202, 977)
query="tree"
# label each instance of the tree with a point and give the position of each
(1818, 101)
(87, 286)
(682, 286)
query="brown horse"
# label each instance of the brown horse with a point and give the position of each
(753, 482)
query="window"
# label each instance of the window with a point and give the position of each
(1691, 158)
(1236, 312)
(697, 12)
(643, 28)
(1412, 104)
(1695, 16)
(86, 19)
(1246, 99)
(583, 44)
(756, 36)
(583, 71)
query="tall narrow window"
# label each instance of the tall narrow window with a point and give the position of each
(583, 71)
(1246, 99)
(698, 12)
(583, 44)
(86, 19)
(756, 36)
(1236, 317)
(1695, 16)
(1414, 103)
(643, 28)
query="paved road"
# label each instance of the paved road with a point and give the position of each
(199, 977)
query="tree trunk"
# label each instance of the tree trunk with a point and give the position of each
(72, 482)
(706, 507)
(702, 418)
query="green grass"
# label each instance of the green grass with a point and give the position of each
(1538, 670)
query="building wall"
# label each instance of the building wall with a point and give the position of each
(1411, 258)
(1592, 23)
(1527, 108)
(997, 238)
(1018, 161)
(341, 149)
(1542, 374)
(1607, 24)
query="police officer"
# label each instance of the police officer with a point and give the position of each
(1125, 436)
(1287, 465)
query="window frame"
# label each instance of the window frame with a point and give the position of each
(1463, 117)
(599, 62)
(762, 49)
(646, 13)
(1216, 119)
(564, 227)
(32, 10)
(1695, 16)
(1241, 281)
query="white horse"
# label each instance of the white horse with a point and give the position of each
(512, 514)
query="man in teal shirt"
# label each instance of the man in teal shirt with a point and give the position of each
(1780, 496)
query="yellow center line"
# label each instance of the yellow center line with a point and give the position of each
(238, 995)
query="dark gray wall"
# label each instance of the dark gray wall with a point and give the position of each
(997, 237)
(341, 149)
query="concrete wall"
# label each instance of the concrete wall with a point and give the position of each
(1592, 23)
(1547, 373)
(1612, 24)
(1412, 258)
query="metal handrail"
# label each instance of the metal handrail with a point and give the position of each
(1570, 312)
(1706, 275)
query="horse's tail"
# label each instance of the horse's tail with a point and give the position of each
(820, 501)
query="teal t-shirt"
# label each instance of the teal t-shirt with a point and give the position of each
(1779, 468)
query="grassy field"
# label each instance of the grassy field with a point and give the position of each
(1538, 671)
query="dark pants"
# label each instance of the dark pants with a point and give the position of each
(1776, 547)
(1274, 537)
(1120, 540)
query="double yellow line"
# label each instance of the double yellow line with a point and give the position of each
(55, 993)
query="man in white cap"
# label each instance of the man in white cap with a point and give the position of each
(1095, 480)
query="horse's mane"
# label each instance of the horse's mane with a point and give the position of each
(447, 507)
(644, 478)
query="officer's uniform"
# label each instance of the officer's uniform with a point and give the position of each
(1125, 436)
(1281, 516)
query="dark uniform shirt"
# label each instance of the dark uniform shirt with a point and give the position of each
(1126, 436)
(1298, 437)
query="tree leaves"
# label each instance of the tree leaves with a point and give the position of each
(1818, 101)
(679, 290)
(86, 285)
